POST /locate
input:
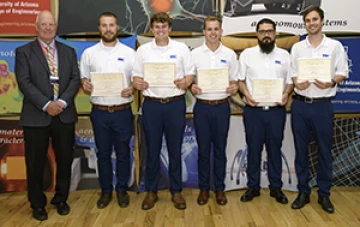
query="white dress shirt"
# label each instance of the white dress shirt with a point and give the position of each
(117, 59)
(175, 52)
(329, 48)
(254, 64)
(222, 57)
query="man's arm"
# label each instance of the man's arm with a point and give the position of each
(249, 100)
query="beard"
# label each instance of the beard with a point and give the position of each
(266, 47)
(106, 39)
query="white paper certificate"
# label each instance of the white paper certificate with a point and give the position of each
(314, 68)
(159, 74)
(267, 90)
(107, 84)
(210, 80)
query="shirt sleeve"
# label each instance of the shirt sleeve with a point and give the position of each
(242, 65)
(138, 66)
(234, 74)
(341, 63)
(85, 65)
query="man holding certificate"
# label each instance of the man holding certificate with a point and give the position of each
(265, 83)
(216, 65)
(106, 74)
(163, 70)
(319, 63)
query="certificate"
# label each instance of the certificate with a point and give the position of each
(210, 80)
(314, 68)
(159, 74)
(107, 84)
(267, 90)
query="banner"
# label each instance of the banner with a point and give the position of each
(18, 17)
(241, 16)
(133, 16)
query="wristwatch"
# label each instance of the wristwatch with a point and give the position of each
(333, 83)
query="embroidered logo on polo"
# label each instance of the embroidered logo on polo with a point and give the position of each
(278, 62)
(223, 61)
(326, 55)
(120, 59)
(173, 56)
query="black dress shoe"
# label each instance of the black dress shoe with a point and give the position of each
(326, 204)
(249, 195)
(279, 196)
(300, 201)
(123, 199)
(104, 200)
(39, 214)
(62, 208)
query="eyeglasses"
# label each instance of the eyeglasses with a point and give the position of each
(263, 32)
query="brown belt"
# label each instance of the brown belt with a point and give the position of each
(164, 100)
(111, 109)
(213, 102)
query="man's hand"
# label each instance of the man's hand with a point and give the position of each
(181, 83)
(302, 85)
(195, 89)
(250, 101)
(87, 85)
(54, 108)
(127, 92)
(140, 84)
(323, 85)
(232, 89)
(285, 98)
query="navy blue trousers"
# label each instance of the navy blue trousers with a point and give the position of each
(113, 131)
(158, 119)
(211, 126)
(314, 117)
(264, 127)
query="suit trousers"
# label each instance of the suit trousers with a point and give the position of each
(36, 149)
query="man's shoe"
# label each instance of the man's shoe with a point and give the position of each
(279, 196)
(179, 201)
(104, 200)
(39, 214)
(149, 200)
(62, 208)
(221, 198)
(300, 201)
(123, 199)
(249, 194)
(203, 197)
(326, 204)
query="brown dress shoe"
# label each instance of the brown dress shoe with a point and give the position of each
(203, 197)
(149, 201)
(221, 198)
(179, 201)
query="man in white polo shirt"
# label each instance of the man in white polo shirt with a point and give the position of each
(312, 111)
(163, 107)
(264, 121)
(111, 116)
(212, 109)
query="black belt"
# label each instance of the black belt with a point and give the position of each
(164, 100)
(266, 107)
(311, 100)
(111, 109)
(213, 102)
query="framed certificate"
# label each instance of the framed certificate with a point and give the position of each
(314, 68)
(107, 84)
(267, 90)
(159, 74)
(210, 80)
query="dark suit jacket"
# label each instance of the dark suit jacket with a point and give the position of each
(32, 74)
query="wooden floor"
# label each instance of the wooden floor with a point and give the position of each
(262, 211)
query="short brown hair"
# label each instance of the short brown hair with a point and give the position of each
(313, 8)
(212, 18)
(107, 14)
(160, 18)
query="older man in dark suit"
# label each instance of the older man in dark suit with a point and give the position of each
(48, 76)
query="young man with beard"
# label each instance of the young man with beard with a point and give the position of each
(212, 110)
(48, 75)
(111, 116)
(312, 111)
(264, 122)
(163, 107)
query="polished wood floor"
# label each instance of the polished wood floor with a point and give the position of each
(262, 211)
